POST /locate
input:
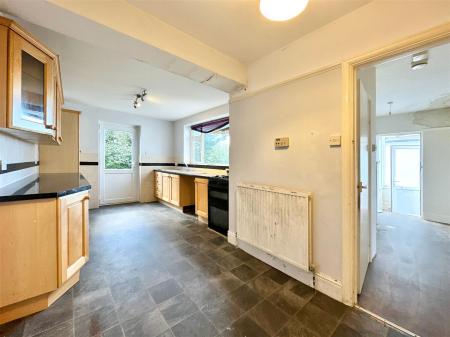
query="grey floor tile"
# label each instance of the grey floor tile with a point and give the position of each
(263, 286)
(241, 255)
(244, 273)
(226, 282)
(195, 325)
(303, 291)
(150, 324)
(218, 241)
(269, 317)
(115, 331)
(59, 312)
(329, 305)
(62, 330)
(131, 299)
(222, 312)
(177, 309)
(277, 276)
(96, 322)
(257, 265)
(364, 324)
(295, 329)
(345, 331)
(244, 297)
(229, 262)
(165, 290)
(12, 329)
(395, 333)
(317, 320)
(244, 327)
(287, 301)
(179, 267)
(92, 300)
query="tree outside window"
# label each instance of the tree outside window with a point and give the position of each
(210, 148)
(118, 150)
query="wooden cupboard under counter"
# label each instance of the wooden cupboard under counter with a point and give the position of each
(44, 242)
(201, 199)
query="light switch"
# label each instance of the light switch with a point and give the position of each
(281, 143)
(334, 140)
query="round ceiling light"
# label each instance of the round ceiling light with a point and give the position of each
(282, 10)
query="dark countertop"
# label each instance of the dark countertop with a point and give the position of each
(42, 186)
(187, 172)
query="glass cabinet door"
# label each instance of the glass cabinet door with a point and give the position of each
(33, 88)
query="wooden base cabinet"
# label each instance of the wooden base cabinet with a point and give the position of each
(73, 234)
(201, 198)
(175, 189)
(43, 245)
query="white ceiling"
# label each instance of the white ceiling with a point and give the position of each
(101, 78)
(237, 28)
(414, 90)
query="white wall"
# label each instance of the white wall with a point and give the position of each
(156, 145)
(299, 111)
(12, 151)
(366, 29)
(181, 138)
(436, 175)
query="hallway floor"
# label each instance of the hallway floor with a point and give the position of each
(156, 272)
(408, 281)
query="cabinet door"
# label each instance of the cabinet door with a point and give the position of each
(201, 197)
(166, 185)
(158, 185)
(31, 87)
(175, 190)
(73, 234)
(28, 250)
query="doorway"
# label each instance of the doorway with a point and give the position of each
(403, 164)
(119, 166)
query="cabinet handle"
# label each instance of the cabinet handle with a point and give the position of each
(60, 138)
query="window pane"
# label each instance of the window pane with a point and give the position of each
(118, 149)
(217, 145)
(32, 88)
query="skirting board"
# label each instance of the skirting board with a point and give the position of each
(232, 238)
(320, 282)
(440, 218)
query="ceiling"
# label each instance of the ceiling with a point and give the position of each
(414, 90)
(237, 28)
(98, 77)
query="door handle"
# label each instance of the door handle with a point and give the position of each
(361, 187)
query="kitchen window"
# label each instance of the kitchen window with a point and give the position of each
(210, 142)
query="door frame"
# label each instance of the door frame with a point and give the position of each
(101, 159)
(350, 147)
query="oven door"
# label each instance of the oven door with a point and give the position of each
(218, 209)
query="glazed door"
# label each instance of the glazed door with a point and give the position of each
(119, 164)
(32, 83)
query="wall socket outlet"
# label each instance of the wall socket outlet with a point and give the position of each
(282, 143)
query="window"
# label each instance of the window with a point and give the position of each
(210, 148)
(118, 149)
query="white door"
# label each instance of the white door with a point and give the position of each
(406, 179)
(119, 166)
(364, 214)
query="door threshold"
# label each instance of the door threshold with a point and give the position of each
(387, 322)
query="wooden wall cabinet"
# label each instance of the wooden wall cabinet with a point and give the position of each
(201, 198)
(30, 86)
(73, 234)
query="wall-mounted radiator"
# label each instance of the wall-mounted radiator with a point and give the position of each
(276, 221)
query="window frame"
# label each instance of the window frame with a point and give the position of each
(192, 160)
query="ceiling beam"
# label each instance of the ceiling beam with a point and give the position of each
(129, 20)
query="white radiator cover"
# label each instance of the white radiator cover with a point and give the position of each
(276, 221)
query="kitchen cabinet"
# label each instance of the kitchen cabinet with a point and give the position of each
(177, 190)
(43, 245)
(73, 234)
(30, 86)
(201, 198)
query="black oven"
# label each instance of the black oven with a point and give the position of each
(218, 204)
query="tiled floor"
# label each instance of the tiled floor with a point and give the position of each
(156, 272)
(408, 281)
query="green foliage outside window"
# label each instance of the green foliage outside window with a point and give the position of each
(211, 148)
(118, 149)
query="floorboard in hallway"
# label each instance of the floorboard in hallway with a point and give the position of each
(154, 272)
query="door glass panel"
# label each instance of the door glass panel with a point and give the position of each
(118, 149)
(32, 88)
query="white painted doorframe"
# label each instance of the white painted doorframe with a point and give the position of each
(350, 152)
(130, 192)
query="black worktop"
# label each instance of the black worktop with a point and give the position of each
(45, 185)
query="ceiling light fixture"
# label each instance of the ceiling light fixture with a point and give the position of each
(419, 60)
(139, 98)
(282, 10)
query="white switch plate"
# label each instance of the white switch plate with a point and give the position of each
(334, 140)
(282, 143)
